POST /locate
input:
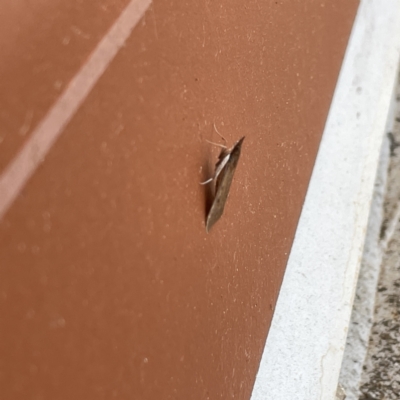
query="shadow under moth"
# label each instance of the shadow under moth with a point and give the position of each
(223, 175)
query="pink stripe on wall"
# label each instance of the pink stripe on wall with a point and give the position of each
(18, 172)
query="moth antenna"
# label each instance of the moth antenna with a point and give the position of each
(207, 181)
(216, 130)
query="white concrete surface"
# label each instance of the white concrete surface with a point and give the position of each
(364, 301)
(304, 348)
(381, 229)
(379, 361)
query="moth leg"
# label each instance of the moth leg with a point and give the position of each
(207, 181)
(217, 144)
(220, 167)
(222, 162)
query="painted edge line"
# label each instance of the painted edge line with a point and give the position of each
(33, 152)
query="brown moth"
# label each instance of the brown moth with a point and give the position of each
(224, 171)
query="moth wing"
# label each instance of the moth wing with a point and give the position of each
(220, 166)
(223, 185)
(222, 160)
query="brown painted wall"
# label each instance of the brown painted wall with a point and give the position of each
(109, 285)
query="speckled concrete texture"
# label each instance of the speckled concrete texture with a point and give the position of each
(381, 377)
(371, 364)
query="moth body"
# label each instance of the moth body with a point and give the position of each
(223, 176)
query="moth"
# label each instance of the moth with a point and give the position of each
(224, 171)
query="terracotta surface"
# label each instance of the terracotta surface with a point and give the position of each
(110, 286)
